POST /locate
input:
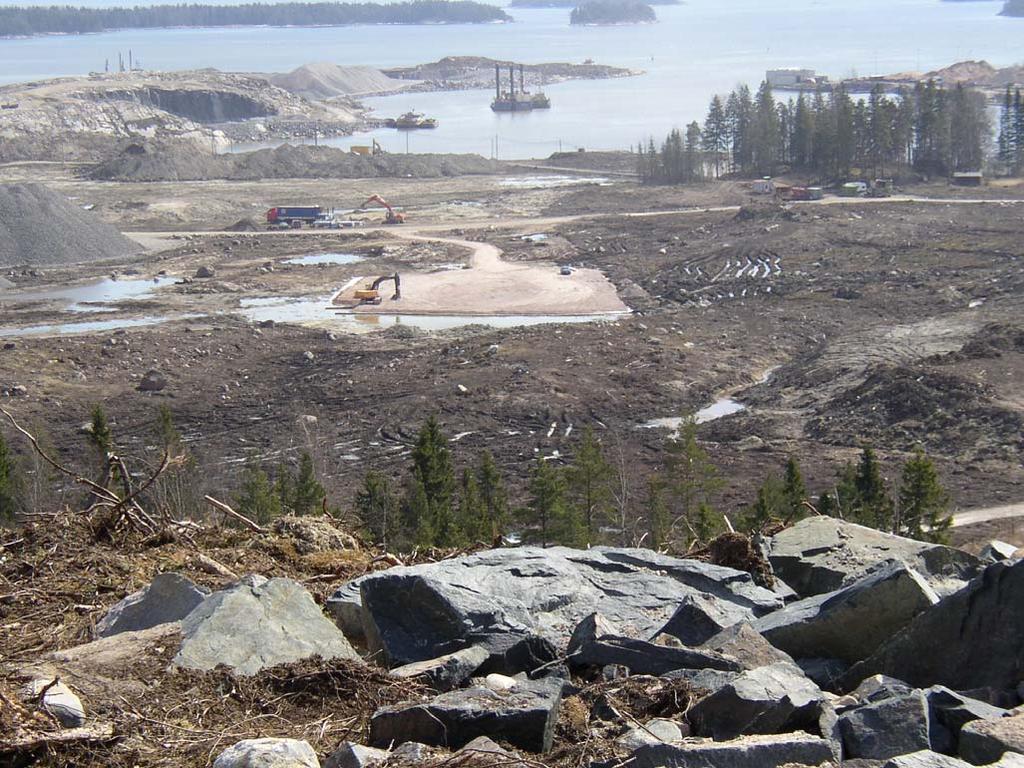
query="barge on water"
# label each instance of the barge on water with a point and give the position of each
(516, 101)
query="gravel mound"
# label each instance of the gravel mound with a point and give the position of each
(183, 163)
(39, 226)
(324, 80)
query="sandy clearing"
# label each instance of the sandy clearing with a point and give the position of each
(973, 516)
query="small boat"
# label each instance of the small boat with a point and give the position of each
(414, 120)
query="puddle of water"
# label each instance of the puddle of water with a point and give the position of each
(91, 297)
(552, 182)
(61, 329)
(722, 407)
(325, 258)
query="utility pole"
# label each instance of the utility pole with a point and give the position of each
(407, 142)
(495, 146)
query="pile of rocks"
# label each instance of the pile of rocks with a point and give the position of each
(868, 650)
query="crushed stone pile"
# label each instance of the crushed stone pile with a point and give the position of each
(324, 80)
(41, 227)
(179, 162)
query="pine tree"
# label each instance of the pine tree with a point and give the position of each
(493, 496)
(308, 494)
(256, 499)
(100, 435)
(1007, 132)
(794, 492)
(770, 505)
(377, 508)
(765, 136)
(588, 485)
(923, 502)
(708, 524)
(10, 491)
(693, 162)
(873, 505)
(802, 141)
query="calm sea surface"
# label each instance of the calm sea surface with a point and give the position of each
(696, 50)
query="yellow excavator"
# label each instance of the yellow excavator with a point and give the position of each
(392, 217)
(371, 295)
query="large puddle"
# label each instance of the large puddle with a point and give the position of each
(97, 296)
(553, 182)
(96, 326)
(315, 259)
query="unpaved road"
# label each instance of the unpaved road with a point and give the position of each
(974, 516)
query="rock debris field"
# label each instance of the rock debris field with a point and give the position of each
(826, 644)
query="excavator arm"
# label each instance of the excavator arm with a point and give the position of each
(392, 217)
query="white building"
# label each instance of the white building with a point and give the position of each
(790, 78)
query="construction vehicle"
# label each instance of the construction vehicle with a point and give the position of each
(372, 295)
(295, 216)
(881, 188)
(367, 149)
(392, 217)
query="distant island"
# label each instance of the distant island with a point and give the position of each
(572, 3)
(41, 20)
(1013, 8)
(612, 12)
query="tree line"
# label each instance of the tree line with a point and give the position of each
(38, 20)
(1011, 132)
(928, 129)
(586, 501)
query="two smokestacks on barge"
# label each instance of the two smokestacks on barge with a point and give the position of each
(511, 80)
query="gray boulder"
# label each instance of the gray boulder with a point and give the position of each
(790, 749)
(852, 622)
(894, 726)
(949, 712)
(169, 597)
(345, 606)
(700, 617)
(823, 554)
(985, 741)
(925, 758)
(152, 381)
(424, 611)
(998, 550)
(643, 658)
(767, 700)
(656, 731)
(351, 755)
(743, 643)
(524, 716)
(445, 672)
(256, 624)
(268, 753)
(972, 639)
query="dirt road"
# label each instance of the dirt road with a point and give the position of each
(974, 516)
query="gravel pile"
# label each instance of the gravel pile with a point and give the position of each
(41, 227)
(324, 80)
(183, 163)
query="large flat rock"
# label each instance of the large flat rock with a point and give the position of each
(985, 741)
(789, 749)
(852, 622)
(823, 554)
(259, 623)
(524, 716)
(168, 597)
(421, 612)
(972, 639)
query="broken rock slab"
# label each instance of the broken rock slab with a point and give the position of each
(985, 741)
(524, 716)
(59, 700)
(700, 617)
(168, 597)
(656, 731)
(850, 623)
(445, 672)
(823, 554)
(351, 755)
(929, 759)
(789, 749)
(950, 711)
(998, 550)
(268, 753)
(259, 623)
(888, 728)
(424, 611)
(767, 700)
(971, 639)
(745, 644)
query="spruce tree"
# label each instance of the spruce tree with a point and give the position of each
(433, 515)
(714, 137)
(794, 492)
(256, 499)
(769, 505)
(493, 496)
(9, 483)
(657, 517)
(588, 485)
(377, 508)
(308, 494)
(472, 513)
(923, 502)
(547, 509)
(690, 479)
(873, 505)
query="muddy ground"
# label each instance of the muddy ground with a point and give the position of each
(883, 323)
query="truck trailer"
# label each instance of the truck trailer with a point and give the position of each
(293, 215)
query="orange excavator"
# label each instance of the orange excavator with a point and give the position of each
(371, 295)
(392, 217)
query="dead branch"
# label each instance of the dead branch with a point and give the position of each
(238, 516)
(29, 742)
(211, 566)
